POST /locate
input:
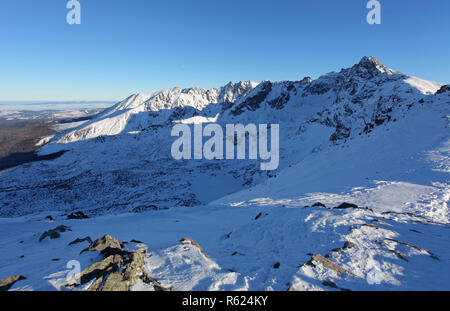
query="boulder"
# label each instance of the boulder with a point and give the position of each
(77, 215)
(131, 270)
(106, 245)
(346, 205)
(156, 285)
(101, 269)
(328, 264)
(120, 269)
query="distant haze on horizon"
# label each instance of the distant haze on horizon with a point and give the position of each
(57, 105)
(127, 47)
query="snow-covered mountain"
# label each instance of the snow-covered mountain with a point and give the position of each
(121, 160)
(367, 135)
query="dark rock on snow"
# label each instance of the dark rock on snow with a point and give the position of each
(77, 215)
(54, 233)
(107, 246)
(88, 239)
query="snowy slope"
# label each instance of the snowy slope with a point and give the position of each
(367, 135)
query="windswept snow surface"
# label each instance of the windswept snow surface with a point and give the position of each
(240, 252)
(368, 136)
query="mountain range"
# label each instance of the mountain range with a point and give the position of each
(359, 200)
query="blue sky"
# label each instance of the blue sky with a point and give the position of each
(128, 46)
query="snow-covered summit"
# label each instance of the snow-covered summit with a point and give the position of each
(114, 120)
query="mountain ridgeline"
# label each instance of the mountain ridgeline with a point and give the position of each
(120, 161)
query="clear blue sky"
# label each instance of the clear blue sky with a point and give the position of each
(128, 46)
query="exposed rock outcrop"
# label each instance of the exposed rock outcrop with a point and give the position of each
(7, 283)
(107, 246)
(78, 240)
(132, 269)
(54, 233)
(443, 89)
(119, 270)
(328, 264)
(77, 215)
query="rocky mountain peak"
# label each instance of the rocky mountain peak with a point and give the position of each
(370, 66)
(307, 80)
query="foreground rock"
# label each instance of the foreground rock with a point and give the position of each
(7, 283)
(100, 270)
(107, 246)
(156, 285)
(328, 264)
(119, 270)
(133, 268)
